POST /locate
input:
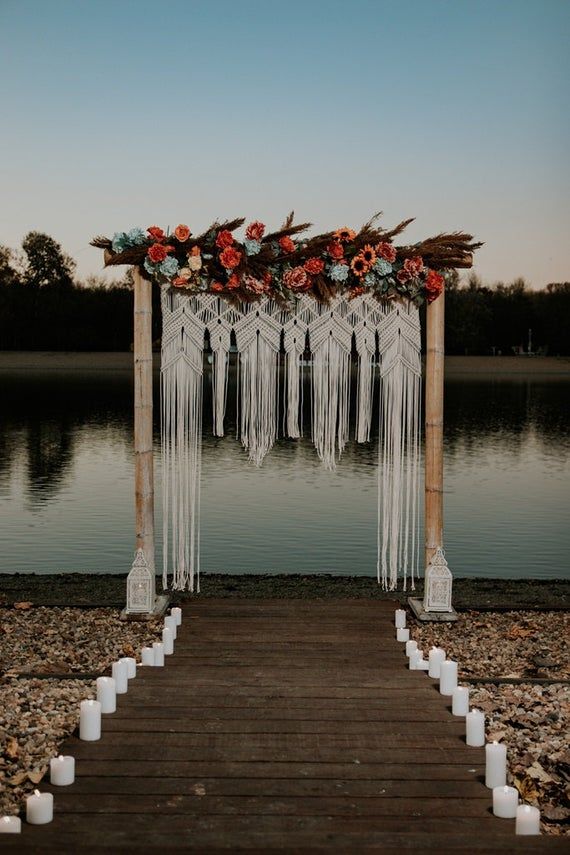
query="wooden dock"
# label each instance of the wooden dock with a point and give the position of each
(279, 724)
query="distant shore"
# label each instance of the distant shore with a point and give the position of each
(466, 367)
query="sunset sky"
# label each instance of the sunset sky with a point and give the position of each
(121, 114)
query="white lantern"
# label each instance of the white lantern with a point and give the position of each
(438, 581)
(140, 586)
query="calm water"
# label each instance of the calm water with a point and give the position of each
(66, 485)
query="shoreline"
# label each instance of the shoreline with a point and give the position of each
(95, 590)
(464, 367)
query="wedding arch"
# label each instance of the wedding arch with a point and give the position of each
(278, 295)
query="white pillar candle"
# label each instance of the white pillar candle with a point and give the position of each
(177, 615)
(168, 641)
(62, 770)
(436, 656)
(402, 634)
(120, 676)
(10, 825)
(460, 700)
(505, 802)
(39, 808)
(400, 618)
(147, 656)
(528, 820)
(90, 721)
(495, 765)
(447, 677)
(411, 647)
(107, 694)
(158, 648)
(170, 622)
(131, 664)
(415, 657)
(422, 664)
(475, 729)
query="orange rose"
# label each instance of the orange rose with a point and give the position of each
(255, 230)
(233, 282)
(434, 285)
(180, 281)
(156, 233)
(182, 233)
(230, 257)
(335, 249)
(224, 239)
(157, 252)
(345, 234)
(216, 286)
(286, 244)
(386, 251)
(314, 266)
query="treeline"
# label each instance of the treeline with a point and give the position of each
(43, 307)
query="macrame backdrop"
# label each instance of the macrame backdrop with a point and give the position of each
(261, 331)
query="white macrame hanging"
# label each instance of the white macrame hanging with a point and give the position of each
(399, 446)
(260, 329)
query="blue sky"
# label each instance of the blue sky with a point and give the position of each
(123, 113)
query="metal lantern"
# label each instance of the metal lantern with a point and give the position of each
(140, 585)
(438, 581)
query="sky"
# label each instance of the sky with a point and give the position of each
(123, 113)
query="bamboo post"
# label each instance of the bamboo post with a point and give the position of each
(144, 477)
(435, 346)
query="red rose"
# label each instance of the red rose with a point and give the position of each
(233, 282)
(314, 266)
(335, 249)
(157, 252)
(230, 257)
(182, 233)
(216, 286)
(434, 285)
(156, 233)
(356, 292)
(403, 276)
(386, 251)
(286, 244)
(267, 277)
(224, 239)
(414, 266)
(180, 281)
(255, 230)
(296, 279)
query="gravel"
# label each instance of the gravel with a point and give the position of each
(36, 715)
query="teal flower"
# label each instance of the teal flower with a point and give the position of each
(137, 237)
(382, 267)
(369, 280)
(252, 247)
(339, 272)
(169, 267)
(150, 267)
(120, 242)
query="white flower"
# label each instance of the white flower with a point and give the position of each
(195, 262)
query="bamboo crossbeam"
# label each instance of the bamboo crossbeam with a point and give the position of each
(435, 341)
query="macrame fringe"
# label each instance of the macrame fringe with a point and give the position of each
(260, 329)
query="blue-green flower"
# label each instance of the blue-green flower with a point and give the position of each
(120, 242)
(136, 237)
(150, 267)
(382, 267)
(370, 280)
(252, 247)
(169, 267)
(339, 272)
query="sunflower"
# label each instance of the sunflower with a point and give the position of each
(359, 265)
(345, 234)
(368, 254)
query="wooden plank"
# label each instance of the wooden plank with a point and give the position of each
(397, 729)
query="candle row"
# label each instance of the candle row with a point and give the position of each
(505, 799)
(39, 806)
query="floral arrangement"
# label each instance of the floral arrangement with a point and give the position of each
(284, 265)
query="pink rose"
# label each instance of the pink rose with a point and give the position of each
(253, 285)
(414, 266)
(403, 276)
(296, 279)
(255, 230)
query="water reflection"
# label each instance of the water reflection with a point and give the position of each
(66, 476)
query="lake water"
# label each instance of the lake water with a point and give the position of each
(66, 485)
